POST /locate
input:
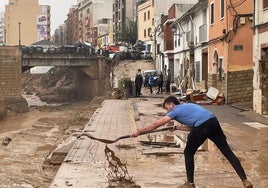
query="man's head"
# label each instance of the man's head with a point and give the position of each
(170, 102)
(139, 70)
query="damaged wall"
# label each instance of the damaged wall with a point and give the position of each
(240, 86)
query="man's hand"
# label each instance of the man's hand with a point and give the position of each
(135, 134)
(173, 128)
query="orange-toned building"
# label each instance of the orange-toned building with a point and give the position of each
(230, 48)
(26, 22)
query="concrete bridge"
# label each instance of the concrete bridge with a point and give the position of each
(91, 72)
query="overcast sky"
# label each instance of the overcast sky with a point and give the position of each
(59, 10)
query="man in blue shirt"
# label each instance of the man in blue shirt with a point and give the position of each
(202, 125)
(151, 82)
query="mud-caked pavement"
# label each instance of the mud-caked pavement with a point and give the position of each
(157, 160)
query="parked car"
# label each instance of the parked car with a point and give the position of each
(144, 54)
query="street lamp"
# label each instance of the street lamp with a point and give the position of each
(19, 34)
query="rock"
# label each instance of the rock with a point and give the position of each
(6, 141)
(18, 105)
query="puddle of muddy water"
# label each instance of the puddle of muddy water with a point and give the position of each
(34, 100)
(26, 120)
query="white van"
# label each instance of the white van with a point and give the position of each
(146, 74)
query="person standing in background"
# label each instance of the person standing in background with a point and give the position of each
(151, 82)
(138, 83)
(160, 82)
(168, 81)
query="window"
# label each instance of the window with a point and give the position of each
(149, 31)
(148, 15)
(212, 13)
(222, 8)
(221, 71)
(144, 33)
(144, 16)
(238, 47)
(265, 4)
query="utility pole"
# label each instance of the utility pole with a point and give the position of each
(19, 34)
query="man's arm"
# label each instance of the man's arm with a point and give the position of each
(183, 128)
(152, 126)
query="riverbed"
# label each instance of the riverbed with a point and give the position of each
(29, 138)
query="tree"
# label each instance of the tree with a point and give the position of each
(128, 33)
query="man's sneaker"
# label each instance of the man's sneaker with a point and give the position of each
(247, 184)
(187, 185)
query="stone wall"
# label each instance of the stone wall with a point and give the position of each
(94, 80)
(10, 79)
(240, 86)
(10, 72)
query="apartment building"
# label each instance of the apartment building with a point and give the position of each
(89, 13)
(150, 17)
(72, 31)
(105, 32)
(188, 61)
(213, 47)
(260, 57)
(60, 37)
(123, 12)
(2, 28)
(230, 49)
(26, 22)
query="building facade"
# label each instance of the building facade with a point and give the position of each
(213, 48)
(2, 29)
(26, 22)
(72, 30)
(230, 49)
(123, 12)
(89, 13)
(260, 57)
(189, 58)
(83, 19)
(150, 26)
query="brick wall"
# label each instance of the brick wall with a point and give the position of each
(10, 72)
(240, 86)
(10, 79)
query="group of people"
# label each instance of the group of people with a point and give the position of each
(150, 82)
